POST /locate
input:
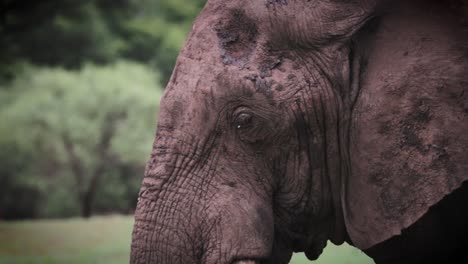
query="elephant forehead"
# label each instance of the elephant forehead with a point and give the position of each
(236, 32)
(227, 54)
(210, 76)
(202, 86)
(240, 40)
(284, 22)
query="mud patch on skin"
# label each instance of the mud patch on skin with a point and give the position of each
(414, 122)
(268, 65)
(391, 198)
(262, 85)
(237, 37)
(442, 158)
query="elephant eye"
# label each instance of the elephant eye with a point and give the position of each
(250, 127)
(243, 120)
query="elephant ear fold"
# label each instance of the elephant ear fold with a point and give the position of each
(407, 151)
(408, 141)
(391, 188)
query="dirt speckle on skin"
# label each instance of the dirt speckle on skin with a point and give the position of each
(442, 159)
(263, 86)
(391, 198)
(268, 65)
(237, 35)
(273, 2)
(413, 124)
(279, 87)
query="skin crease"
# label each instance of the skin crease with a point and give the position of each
(289, 123)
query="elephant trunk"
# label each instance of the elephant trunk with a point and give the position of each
(168, 226)
(182, 217)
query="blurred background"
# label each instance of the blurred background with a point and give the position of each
(80, 84)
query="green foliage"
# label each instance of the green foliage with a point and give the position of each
(53, 103)
(88, 133)
(19, 193)
(78, 100)
(79, 92)
(160, 29)
(57, 33)
(70, 33)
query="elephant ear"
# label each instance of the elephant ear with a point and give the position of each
(408, 140)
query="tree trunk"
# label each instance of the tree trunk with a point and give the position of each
(86, 193)
(86, 206)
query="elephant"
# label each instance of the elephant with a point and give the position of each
(290, 123)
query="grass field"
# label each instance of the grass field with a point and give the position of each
(102, 240)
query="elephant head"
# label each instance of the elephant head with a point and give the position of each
(289, 123)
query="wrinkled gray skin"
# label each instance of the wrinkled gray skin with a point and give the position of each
(289, 123)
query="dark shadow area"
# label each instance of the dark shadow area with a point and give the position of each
(440, 236)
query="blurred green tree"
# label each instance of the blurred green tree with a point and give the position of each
(19, 195)
(69, 33)
(88, 131)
